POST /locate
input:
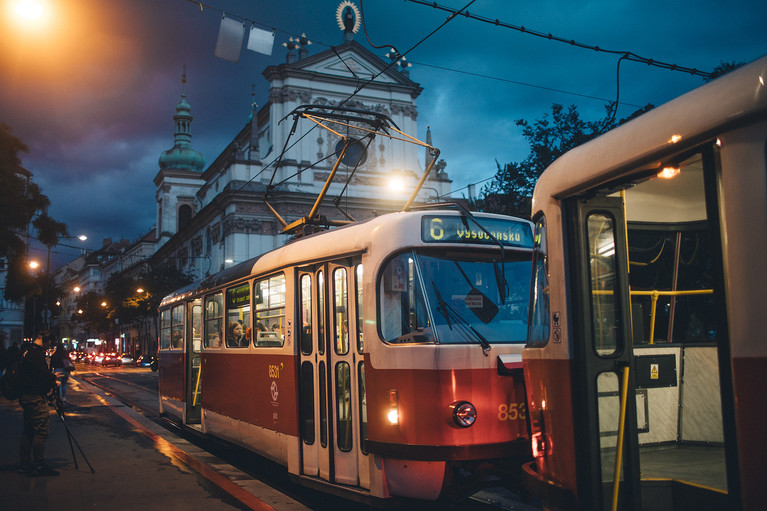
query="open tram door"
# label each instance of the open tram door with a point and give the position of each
(193, 369)
(332, 404)
(649, 331)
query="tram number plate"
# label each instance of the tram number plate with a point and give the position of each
(274, 370)
(512, 411)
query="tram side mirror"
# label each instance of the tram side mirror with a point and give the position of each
(482, 306)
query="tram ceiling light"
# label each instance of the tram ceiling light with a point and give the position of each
(669, 172)
(675, 138)
(464, 413)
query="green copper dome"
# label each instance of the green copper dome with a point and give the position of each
(182, 156)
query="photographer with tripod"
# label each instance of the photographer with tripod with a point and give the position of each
(37, 382)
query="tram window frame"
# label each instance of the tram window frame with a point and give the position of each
(606, 334)
(213, 316)
(305, 313)
(269, 299)
(341, 310)
(539, 321)
(238, 311)
(177, 327)
(165, 326)
(358, 274)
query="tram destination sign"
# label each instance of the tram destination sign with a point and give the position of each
(458, 229)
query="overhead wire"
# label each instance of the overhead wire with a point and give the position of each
(627, 54)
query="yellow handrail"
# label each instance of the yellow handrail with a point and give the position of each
(621, 431)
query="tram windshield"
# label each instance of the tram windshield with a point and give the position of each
(454, 297)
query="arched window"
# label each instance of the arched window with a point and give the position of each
(184, 215)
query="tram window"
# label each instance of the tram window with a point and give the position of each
(165, 329)
(363, 407)
(344, 406)
(307, 402)
(341, 311)
(321, 313)
(604, 293)
(454, 297)
(197, 325)
(238, 332)
(671, 278)
(323, 405)
(538, 334)
(269, 299)
(358, 286)
(177, 327)
(402, 307)
(214, 316)
(305, 311)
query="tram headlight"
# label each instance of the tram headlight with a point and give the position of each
(464, 413)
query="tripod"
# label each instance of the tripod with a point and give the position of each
(55, 400)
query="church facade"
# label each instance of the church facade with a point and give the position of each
(209, 218)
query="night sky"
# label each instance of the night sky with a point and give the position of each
(93, 92)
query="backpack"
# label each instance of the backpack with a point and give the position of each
(10, 383)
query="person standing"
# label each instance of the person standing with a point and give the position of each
(37, 382)
(61, 367)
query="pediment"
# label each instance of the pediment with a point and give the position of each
(351, 60)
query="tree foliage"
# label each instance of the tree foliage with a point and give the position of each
(510, 192)
(22, 204)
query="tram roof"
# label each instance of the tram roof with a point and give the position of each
(731, 100)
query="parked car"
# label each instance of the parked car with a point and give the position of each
(126, 359)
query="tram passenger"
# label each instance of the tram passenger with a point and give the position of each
(234, 336)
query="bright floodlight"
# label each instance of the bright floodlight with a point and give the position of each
(29, 9)
(34, 265)
(82, 237)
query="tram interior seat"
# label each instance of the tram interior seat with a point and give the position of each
(269, 339)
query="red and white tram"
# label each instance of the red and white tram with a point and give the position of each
(647, 362)
(383, 357)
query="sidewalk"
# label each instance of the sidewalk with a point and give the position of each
(137, 464)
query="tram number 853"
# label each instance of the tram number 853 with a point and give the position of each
(512, 411)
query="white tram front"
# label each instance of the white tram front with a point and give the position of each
(383, 357)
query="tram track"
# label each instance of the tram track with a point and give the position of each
(116, 385)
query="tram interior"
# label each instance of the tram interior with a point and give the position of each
(679, 418)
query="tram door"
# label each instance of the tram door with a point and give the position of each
(193, 367)
(650, 331)
(330, 404)
(603, 354)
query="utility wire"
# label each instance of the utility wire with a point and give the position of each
(627, 54)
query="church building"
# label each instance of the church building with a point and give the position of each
(210, 218)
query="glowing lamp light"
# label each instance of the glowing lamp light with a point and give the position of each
(396, 183)
(82, 237)
(675, 138)
(140, 290)
(29, 9)
(669, 172)
(393, 414)
(103, 304)
(34, 265)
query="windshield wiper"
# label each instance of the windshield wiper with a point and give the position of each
(448, 312)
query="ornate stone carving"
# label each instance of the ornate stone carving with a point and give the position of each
(286, 94)
(197, 246)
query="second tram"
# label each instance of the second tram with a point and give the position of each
(382, 358)
(646, 362)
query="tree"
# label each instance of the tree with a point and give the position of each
(510, 192)
(22, 204)
(722, 69)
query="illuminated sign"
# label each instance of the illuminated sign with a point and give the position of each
(458, 229)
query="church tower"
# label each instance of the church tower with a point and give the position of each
(180, 175)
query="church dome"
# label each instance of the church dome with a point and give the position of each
(182, 156)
